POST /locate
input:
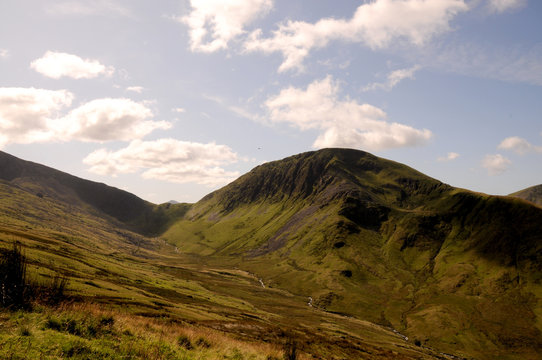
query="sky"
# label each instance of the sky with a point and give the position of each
(173, 99)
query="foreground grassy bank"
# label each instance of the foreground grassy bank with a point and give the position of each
(87, 331)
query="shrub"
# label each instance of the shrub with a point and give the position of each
(290, 349)
(25, 331)
(184, 342)
(53, 324)
(14, 292)
(203, 343)
(76, 349)
(107, 321)
(56, 290)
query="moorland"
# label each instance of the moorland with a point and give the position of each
(331, 254)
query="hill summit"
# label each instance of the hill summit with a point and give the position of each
(326, 175)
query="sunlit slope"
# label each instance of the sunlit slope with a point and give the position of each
(126, 209)
(143, 280)
(377, 240)
(532, 194)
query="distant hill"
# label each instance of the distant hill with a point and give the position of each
(135, 213)
(532, 194)
(371, 238)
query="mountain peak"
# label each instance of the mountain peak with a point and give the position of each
(324, 175)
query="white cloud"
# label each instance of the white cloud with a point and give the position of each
(29, 115)
(26, 114)
(519, 145)
(108, 120)
(4, 53)
(500, 6)
(496, 164)
(376, 24)
(344, 123)
(213, 23)
(88, 7)
(136, 89)
(56, 65)
(393, 79)
(178, 110)
(169, 160)
(449, 157)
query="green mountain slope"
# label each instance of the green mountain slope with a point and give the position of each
(370, 238)
(134, 296)
(532, 194)
(100, 199)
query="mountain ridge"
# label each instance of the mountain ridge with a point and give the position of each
(128, 209)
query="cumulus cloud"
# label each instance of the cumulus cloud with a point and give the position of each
(213, 23)
(496, 164)
(56, 65)
(109, 119)
(4, 53)
(178, 110)
(30, 115)
(449, 157)
(344, 123)
(519, 145)
(27, 114)
(393, 79)
(169, 160)
(377, 24)
(500, 6)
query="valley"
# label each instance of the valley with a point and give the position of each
(339, 252)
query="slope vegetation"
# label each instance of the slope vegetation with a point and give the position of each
(370, 238)
(131, 296)
(99, 199)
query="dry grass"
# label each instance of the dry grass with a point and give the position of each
(91, 331)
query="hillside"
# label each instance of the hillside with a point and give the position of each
(127, 209)
(370, 238)
(532, 194)
(137, 297)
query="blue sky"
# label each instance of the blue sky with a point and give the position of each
(173, 99)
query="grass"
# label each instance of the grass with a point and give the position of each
(155, 295)
(88, 332)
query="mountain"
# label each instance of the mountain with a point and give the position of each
(370, 238)
(532, 194)
(127, 209)
(130, 295)
(348, 254)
